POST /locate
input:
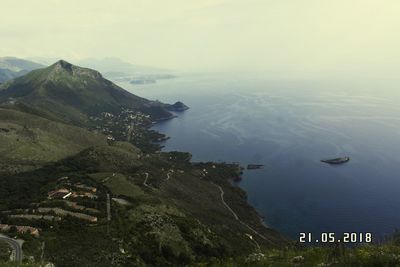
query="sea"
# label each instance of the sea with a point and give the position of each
(289, 125)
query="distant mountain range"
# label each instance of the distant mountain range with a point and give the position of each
(116, 65)
(11, 67)
(123, 71)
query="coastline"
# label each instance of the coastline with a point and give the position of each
(229, 185)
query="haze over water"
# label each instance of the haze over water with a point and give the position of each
(289, 126)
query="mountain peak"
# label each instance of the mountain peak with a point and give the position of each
(63, 66)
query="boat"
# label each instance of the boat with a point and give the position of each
(336, 160)
(254, 166)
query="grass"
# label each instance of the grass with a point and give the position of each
(119, 185)
(34, 141)
(105, 159)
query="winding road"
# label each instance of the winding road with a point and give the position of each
(169, 174)
(16, 246)
(145, 180)
(236, 216)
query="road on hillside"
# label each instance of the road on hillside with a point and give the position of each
(222, 193)
(169, 174)
(145, 180)
(18, 254)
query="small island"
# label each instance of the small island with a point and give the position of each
(142, 81)
(336, 160)
(254, 166)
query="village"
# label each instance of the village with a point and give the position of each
(129, 125)
(124, 126)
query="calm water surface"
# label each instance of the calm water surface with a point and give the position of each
(289, 126)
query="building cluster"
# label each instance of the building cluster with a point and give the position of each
(70, 190)
(61, 208)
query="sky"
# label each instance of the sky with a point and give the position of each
(299, 37)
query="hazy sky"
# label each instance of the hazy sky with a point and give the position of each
(293, 36)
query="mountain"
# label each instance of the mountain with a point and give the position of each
(73, 94)
(18, 64)
(11, 67)
(6, 74)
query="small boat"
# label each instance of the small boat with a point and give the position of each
(336, 161)
(254, 166)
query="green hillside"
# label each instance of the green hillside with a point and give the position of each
(29, 141)
(105, 158)
(164, 211)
